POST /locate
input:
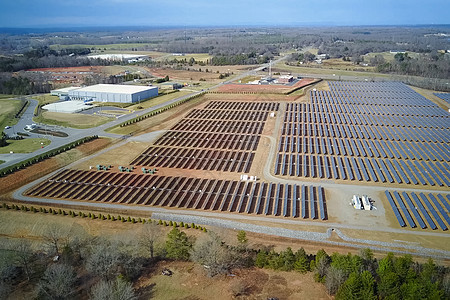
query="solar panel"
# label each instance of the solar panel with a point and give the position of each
(395, 209)
(404, 210)
(413, 209)
(439, 208)
(294, 201)
(303, 201)
(277, 200)
(285, 206)
(423, 211)
(312, 204)
(321, 203)
(269, 193)
(433, 212)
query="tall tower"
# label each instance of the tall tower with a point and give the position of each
(270, 69)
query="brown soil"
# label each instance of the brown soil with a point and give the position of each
(189, 281)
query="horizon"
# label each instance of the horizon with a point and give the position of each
(48, 14)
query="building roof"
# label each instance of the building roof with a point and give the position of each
(65, 90)
(115, 88)
(117, 56)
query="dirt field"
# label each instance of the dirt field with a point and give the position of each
(195, 74)
(33, 172)
(190, 282)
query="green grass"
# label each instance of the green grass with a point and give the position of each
(159, 100)
(46, 99)
(8, 109)
(5, 96)
(1, 161)
(24, 146)
(79, 121)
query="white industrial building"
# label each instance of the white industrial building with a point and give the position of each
(113, 93)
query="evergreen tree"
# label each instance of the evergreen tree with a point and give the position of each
(178, 245)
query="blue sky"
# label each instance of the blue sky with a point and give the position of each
(76, 13)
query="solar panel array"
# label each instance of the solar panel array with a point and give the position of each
(261, 198)
(222, 137)
(362, 131)
(420, 210)
(443, 96)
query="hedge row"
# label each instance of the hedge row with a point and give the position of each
(41, 157)
(99, 216)
(158, 111)
(19, 113)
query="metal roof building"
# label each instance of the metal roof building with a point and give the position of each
(114, 93)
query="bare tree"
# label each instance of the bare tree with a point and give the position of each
(103, 260)
(215, 255)
(24, 256)
(55, 238)
(58, 282)
(334, 279)
(113, 290)
(148, 237)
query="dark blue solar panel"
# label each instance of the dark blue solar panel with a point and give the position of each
(439, 208)
(286, 194)
(404, 210)
(303, 201)
(433, 212)
(423, 211)
(395, 209)
(294, 201)
(413, 209)
(269, 192)
(321, 203)
(312, 205)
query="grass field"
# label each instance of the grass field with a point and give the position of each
(46, 99)
(5, 96)
(8, 109)
(158, 100)
(24, 146)
(197, 56)
(80, 121)
(1, 161)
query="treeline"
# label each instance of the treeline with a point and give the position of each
(22, 86)
(431, 65)
(363, 276)
(43, 156)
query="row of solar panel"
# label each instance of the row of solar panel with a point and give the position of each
(372, 120)
(344, 168)
(415, 209)
(369, 132)
(350, 147)
(322, 104)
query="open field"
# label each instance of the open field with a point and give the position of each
(24, 146)
(197, 56)
(318, 70)
(46, 99)
(339, 64)
(189, 281)
(75, 120)
(8, 109)
(158, 100)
